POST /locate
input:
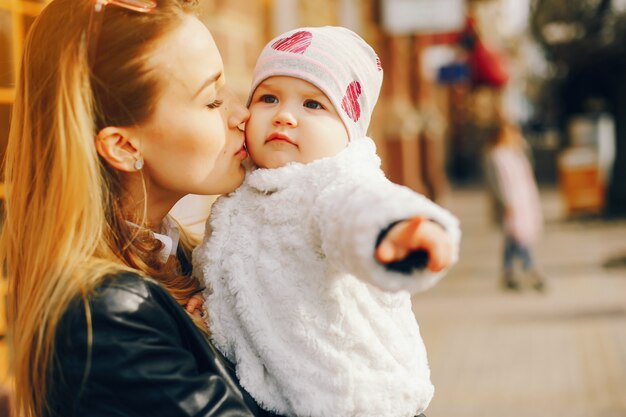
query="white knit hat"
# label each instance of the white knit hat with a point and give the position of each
(334, 59)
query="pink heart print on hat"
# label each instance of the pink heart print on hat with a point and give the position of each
(350, 102)
(296, 43)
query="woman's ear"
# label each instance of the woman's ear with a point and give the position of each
(116, 146)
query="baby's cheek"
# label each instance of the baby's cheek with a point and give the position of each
(331, 147)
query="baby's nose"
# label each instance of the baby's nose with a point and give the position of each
(285, 118)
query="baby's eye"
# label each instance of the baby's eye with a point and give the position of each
(312, 104)
(268, 98)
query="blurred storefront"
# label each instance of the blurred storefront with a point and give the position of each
(585, 43)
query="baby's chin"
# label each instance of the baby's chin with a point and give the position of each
(277, 160)
(280, 157)
(273, 165)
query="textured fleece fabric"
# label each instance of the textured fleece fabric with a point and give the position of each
(315, 326)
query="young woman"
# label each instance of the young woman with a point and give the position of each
(121, 110)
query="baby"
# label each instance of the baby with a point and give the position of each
(309, 265)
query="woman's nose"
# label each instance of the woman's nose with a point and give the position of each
(238, 114)
(284, 118)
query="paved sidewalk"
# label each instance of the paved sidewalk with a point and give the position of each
(501, 354)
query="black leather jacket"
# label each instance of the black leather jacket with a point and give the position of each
(147, 359)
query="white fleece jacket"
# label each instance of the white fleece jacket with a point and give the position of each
(315, 326)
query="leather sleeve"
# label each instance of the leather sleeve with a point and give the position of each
(142, 361)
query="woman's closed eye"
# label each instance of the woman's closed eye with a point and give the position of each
(215, 104)
(314, 105)
(268, 98)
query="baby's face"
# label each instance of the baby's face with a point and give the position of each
(291, 120)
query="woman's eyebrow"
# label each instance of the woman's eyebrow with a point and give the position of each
(210, 80)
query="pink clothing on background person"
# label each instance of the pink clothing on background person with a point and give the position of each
(524, 220)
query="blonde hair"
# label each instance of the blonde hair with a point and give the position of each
(64, 226)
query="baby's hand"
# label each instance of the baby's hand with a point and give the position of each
(417, 234)
(195, 305)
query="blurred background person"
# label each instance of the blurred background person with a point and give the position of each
(512, 184)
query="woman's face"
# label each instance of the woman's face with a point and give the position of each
(191, 144)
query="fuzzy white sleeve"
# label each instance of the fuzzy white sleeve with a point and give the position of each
(350, 214)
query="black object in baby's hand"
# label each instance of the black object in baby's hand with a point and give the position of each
(415, 260)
